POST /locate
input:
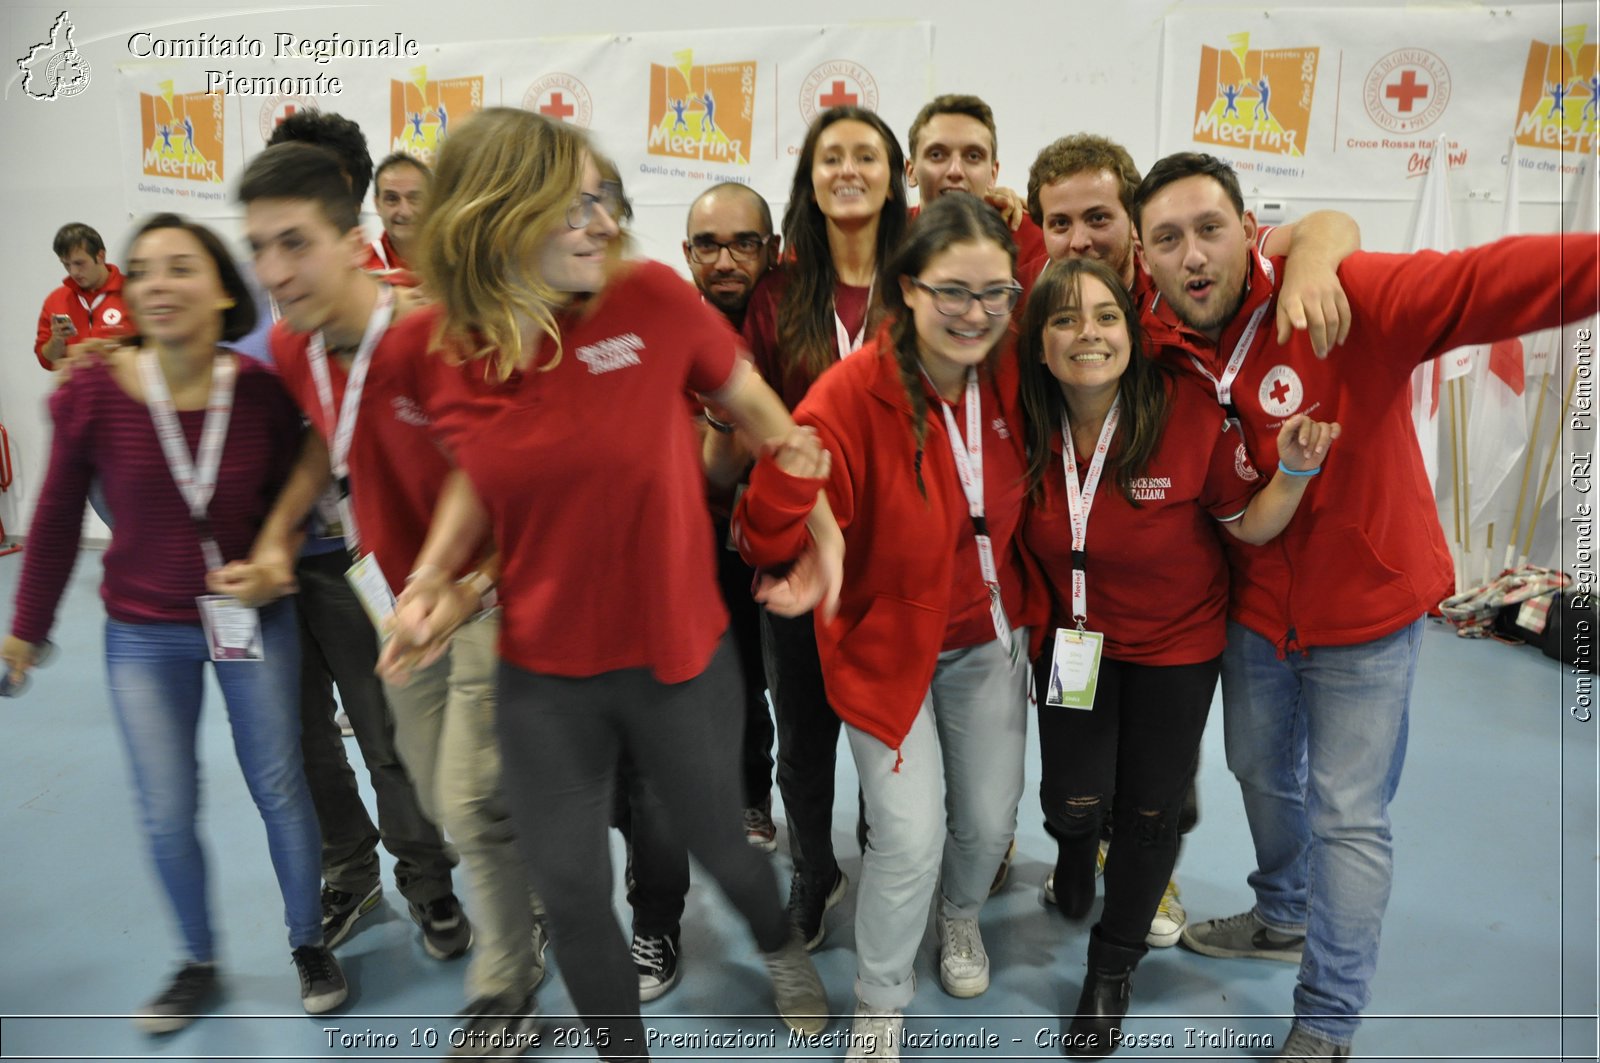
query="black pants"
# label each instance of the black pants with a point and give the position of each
(658, 864)
(561, 741)
(734, 577)
(808, 743)
(1140, 743)
(337, 645)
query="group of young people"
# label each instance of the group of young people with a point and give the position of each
(519, 457)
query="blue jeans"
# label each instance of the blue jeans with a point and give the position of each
(1317, 741)
(941, 809)
(156, 674)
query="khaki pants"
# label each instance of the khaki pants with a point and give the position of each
(444, 730)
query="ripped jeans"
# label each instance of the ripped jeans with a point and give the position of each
(1140, 743)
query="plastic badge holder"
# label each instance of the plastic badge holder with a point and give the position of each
(10, 688)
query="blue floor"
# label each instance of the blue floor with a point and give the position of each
(1489, 953)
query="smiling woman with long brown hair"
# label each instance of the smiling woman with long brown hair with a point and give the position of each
(192, 443)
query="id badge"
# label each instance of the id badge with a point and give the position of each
(366, 579)
(233, 631)
(1074, 669)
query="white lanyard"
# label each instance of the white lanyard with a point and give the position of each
(195, 476)
(1236, 362)
(88, 307)
(344, 427)
(1079, 504)
(377, 249)
(969, 467)
(846, 342)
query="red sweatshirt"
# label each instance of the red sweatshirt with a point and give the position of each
(100, 313)
(901, 582)
(1364, 555)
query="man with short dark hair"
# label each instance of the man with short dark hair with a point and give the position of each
(953, 146)
(730, 246)
(337, 352)
(88, 304)
(1325, 622)
(399, 185)
(339, 648)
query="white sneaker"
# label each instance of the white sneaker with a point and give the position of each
(1170, 920)
(875, 1033)
(963, 963)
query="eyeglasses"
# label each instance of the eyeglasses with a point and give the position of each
(952, 300)
(581, 213)
(705, 250)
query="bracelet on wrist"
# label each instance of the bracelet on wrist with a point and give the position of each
(1303, 474)
(718, 426)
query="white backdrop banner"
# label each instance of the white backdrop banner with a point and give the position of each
(1347, 103)
(676, 110)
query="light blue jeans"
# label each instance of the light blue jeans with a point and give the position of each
(1317, 741)
(942, 809)
(156, 674)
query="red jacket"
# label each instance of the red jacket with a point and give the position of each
(1364, 555)
(879, 653)
(100, 313)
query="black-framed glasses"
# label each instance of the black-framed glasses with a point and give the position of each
(581, 213)
(705, 250)
(953, 300)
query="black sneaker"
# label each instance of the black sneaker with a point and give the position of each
(340, 910)
(322, 984)
(182, 1002)
(496, 1027)
(807, 905)
(446, 933)
(656, 960)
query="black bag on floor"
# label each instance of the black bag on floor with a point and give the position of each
(1571, 629)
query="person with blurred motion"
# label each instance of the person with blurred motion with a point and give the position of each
(554, 375)
(192, 443)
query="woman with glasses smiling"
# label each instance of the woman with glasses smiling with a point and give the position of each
(555, 380)
(927, 660)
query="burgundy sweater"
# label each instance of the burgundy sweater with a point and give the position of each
(153, 567)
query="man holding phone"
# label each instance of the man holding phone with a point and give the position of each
(88, 304)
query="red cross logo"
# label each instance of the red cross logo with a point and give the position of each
(1280, 391)
(287, 111)
(1406, 91)
(837, 97)
(557, 108)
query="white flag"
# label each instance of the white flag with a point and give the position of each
(1497, 436)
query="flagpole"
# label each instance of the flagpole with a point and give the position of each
(1466, 469)
(1528, 463)
(1455, 482)
(1550, 462)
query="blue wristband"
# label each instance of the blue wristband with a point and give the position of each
(1304, 474)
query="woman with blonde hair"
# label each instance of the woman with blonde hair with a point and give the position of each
(555, 376)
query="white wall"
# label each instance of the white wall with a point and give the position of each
(1048, 67)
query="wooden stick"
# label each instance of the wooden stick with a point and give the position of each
(1466, 467)
(1455, 460)
(1544, 479)
(1529, 460)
